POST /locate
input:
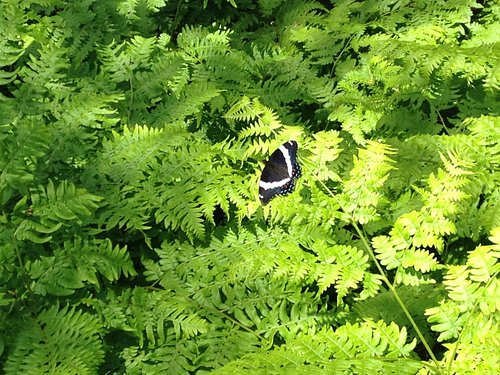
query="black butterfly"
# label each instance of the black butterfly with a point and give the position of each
(280, 172)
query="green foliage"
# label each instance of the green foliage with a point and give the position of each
(412, 298)
(177, 164)
(350, 349)
(59, 340)
(471, 311)
(78, 263)
(132, 136)
(51, 209)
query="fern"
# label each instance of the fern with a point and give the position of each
(62, 340)
(263, 123)
(367, 97)
(52, 208)
(179, 174)
(361, 196)
(78, 263)
(353, 348)
(470, 315)
(132, 139)
(424, 228)
(412, 298)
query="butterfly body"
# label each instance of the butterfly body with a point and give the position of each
(280, 172)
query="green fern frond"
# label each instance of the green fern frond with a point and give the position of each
(79, 263)
(263, 121)
(411, 297)
(54, 207)
(200, 44)
(466, 286)
(183, 192)
(190, 102)
(342, 266)
(49, 64)
(351, 348)
(58, 340)
(263, 125)
(325, 150)
(122, 60)
(471, 313)
(414, 232)
(361, 194)
(15, 40)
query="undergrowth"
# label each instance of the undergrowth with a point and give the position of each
(132, 136)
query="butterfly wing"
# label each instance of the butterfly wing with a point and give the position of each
(280, 172)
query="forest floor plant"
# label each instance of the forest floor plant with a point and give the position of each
(132, 140)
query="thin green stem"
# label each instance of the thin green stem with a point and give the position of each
(385, 279)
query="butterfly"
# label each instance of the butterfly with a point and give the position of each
(280, 172)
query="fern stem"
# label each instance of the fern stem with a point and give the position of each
(131, 102)
(175, 22)
(347, 43)
(385, 279)
(440, 117)
(393, 291)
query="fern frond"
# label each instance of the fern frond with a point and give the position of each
(425, 228)
(80, 262)
(412, 299)
(189, 176)
(471, 286)
(60, 340)
(55, 207)
(471, 313)
(325, 150)
(190, 102)
(352, 348)
(343, 266)
(200, 44)
(263, 121)
(263, 124)
(122, 60)
(361, 195)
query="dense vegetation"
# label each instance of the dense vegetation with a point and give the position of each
(132, 136)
